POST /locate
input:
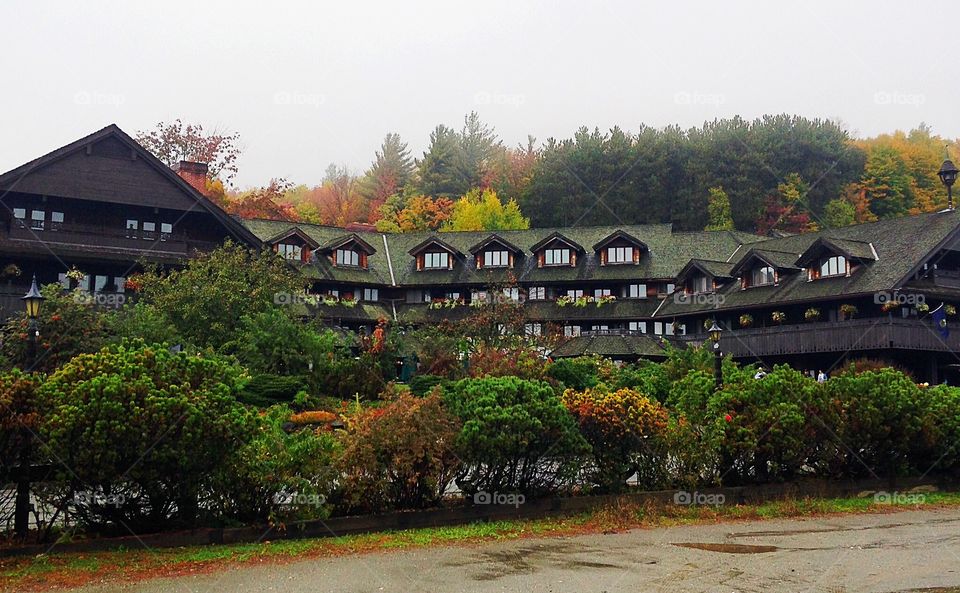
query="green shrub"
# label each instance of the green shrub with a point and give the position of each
(517, 437)
(941, 430)
(277, 476)
(142, 429)
(18, 415)
(879, 420)
(575, 373)
(399, 456)
(648, 378)
(421, 385)
(267, 390)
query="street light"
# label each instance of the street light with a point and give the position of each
(714, 333)
(948, 174)
(21, 513)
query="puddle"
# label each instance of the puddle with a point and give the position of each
(729, 548)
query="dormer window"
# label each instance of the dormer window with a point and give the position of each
(619, 255)
(835, 265)
(700, 284)
(347, 257)
(762, 276)
(496, 259)
(290, 251)
(556, 257)
(433, 260)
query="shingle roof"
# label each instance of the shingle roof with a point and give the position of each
(668, 253)
(613, 346)
(901, 246)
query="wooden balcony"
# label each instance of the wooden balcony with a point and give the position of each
(97, 237)
(881, 333)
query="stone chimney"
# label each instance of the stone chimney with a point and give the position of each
(193, 173)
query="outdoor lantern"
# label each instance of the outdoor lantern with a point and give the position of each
(714, 333)
(947, 173)
(33, 299)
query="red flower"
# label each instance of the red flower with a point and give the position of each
(728, 417)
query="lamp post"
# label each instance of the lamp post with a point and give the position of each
(21, 514)
(714, 333)
(948, 174)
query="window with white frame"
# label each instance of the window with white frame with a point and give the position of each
(148, 229)
(601, 292)
(436, 259)
(599, 328)
(533, 329)
(700, 283)
(371, 294)
(347, 257)
(288, 250)
(452, 295)
(496, 259)
(166, 229)
(833, 266)
(20, 213)
(556, 257)
(36, 219)
(511, 294)
(571, 331)
(478, 296)
(574, 293)
(537, 293)
(619, 255)
(762, 276)
(56, 220)
(637, 326)
(658, 328)
(637, 291)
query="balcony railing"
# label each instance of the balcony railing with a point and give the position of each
(881, 333)
(101, 236)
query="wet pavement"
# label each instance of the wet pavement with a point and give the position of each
(917, 551)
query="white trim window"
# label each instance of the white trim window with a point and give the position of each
(571, 331)
(371, 294)
(537, 293)
(637, 291)
(496, 259)
(533, 329)
(435, 260)
(289, 250)
(511, 295)
(835, 265)
(762, 276)
(601, 292)
(700, 284)
(619, 255)
(637, 326)
(556, 257)
(347, 257)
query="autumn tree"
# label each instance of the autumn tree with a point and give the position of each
(264, 202)
(718, 209)
(175, 141)
(482, 210)
(785, 211)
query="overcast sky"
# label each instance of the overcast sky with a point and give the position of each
(307, 84)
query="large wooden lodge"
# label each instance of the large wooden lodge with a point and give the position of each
(103, 204)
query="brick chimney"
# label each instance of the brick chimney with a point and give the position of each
(193, 173)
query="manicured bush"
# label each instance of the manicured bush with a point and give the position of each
(625, 429)
(399, 455)
(517, 437)
(142, 429)
(575, 373)
(421, 385)
(267, 390)
(769, 428)
(879, 422)
(941, 430)
(647, 377)
(277, 476)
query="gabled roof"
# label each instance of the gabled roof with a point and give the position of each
(346, 240)
(781, 261)
(495, 238)
(433, 240)
(714, 269)
(849, 248)
(620, 234)
(293, 231)
(27, 177)
(556, 236)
